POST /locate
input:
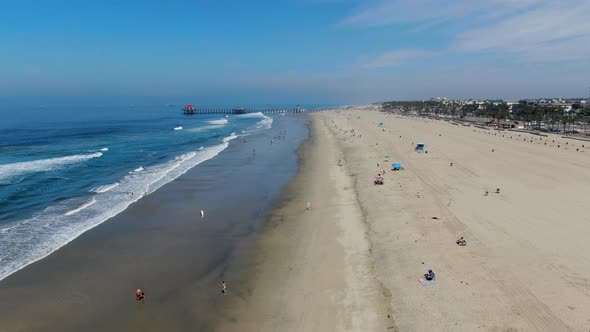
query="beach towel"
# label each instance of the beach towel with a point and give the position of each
(425, 282)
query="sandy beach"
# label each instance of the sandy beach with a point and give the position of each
(312, 271)
(351, 262)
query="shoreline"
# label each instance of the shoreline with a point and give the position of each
(161, 245)
(107, 215)
(311, 270)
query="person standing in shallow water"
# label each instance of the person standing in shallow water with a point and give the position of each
(224, 287)
(139, 295)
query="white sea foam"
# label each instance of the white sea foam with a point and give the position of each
(178, 128)
(105, 188)
(251, 115)
(104, 149)
(43, 165)
(139, 169)
(218, 122)
(81, 207)
(230, 137)
(23, 242)
(264, 124)
(204, 128)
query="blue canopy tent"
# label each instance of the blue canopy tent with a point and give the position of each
(380, 124)
(397, 166)
(419, 146)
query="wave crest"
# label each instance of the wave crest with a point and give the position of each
(26, 241)
(105, 188)
(81, 207)
(43, 165)
(218, 122)
(251, 115)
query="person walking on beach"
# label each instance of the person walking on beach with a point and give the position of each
(202, 214)
(139, 295)
(308, 206)
(224, 287)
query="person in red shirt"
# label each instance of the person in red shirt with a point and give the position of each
(139, 295)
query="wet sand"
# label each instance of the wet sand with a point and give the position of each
(161, 245)
(312, 269)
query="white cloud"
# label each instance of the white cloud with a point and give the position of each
(397, 57)
(522, 30)
(425, 12)
(550, 32)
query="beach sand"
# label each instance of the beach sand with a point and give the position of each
(351, 262)
(312, 271)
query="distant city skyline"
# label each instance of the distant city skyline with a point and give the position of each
(306, 51)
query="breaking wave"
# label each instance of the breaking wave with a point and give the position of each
(43, 165)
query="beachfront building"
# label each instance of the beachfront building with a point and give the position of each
(512, 105)
(567, 107)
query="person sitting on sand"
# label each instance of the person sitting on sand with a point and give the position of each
(139, 295)
(430, 275)
(462, 242)
(379, 180)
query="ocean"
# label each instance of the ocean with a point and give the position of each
(66, 170)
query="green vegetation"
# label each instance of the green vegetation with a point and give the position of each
(534, 116)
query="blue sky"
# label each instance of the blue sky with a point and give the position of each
(306, 51)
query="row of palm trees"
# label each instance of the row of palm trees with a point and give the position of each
(535, 117)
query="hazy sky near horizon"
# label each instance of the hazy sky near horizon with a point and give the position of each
(307, 51)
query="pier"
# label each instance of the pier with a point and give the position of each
(190, 110)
